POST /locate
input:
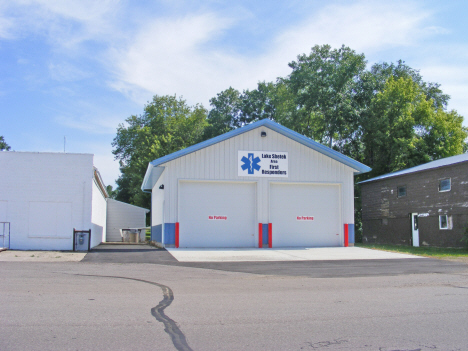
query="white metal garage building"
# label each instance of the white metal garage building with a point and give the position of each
(256, 186)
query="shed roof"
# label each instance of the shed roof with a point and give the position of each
(124, 203)
(150, 178)
(447, 161)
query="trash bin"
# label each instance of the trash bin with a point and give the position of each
(130, 235)
(133, 237)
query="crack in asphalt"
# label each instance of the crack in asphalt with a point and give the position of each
(170, 326)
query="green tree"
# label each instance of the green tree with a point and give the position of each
(3, 145)
(224, 115)
(167, 125)
(404, 128)
(323, 84)
(260, 103)
(111, 192)
(381, 72)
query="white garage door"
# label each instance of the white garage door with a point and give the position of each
(306, 215)
(217, 214)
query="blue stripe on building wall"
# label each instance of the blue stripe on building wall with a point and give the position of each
(265, 234)
(156, 233)
(351, 233)
(169, 233)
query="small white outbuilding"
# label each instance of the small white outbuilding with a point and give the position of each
(121, 215)
(260, 185)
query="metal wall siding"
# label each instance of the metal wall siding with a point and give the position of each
(351, 236)
(265, 234)
(219, 162)
(156, 233)
(169, 233)
(98, 216)
(54, 178)
(122, 215)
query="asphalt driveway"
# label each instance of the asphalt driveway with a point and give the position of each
(120, 253)
(144, 254)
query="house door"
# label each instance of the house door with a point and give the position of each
(415, 229)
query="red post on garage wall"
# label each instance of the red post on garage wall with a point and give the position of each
(346, 236)
(260, 236)
(177, 235)
(270, 235)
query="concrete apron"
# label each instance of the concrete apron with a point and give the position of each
(282, 254)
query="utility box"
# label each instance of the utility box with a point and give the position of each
(81, 240)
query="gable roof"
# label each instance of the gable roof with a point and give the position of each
(150, 180)
(426, 166)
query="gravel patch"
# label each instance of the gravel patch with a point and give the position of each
(41, 256)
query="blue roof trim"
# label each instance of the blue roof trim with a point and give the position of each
(447, 161)
(361, 168)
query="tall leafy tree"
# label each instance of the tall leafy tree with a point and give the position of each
(167, 125)
(381, 72)
(405, 128)
(224, 115)
(111, 192)
(323, 84)
(3, 145)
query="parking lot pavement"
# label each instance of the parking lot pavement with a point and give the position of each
(144, 254)
(283, 254)
(108, 306)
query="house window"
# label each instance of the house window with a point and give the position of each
(445, 222)
(444, 184)
(401, 191)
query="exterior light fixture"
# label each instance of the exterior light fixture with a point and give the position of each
(161, 187)
(263, 134)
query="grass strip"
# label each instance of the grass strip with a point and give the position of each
(435, 252)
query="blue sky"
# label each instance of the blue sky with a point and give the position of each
(79, 68)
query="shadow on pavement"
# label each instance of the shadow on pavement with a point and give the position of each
(128, 254)
(316, 269)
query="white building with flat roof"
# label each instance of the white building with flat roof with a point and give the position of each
(44, 196)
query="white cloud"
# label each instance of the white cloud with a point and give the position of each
(6, 26)
(65, 23)
(363, 26)
(66, 72)
(84, 10)
(107, 166)
(453, 80)
(168, 55)
(175, 56)
(91, 119)
(94, 125)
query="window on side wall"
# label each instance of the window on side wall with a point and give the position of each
(445, 184)
(401, 191)
(445, 222)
